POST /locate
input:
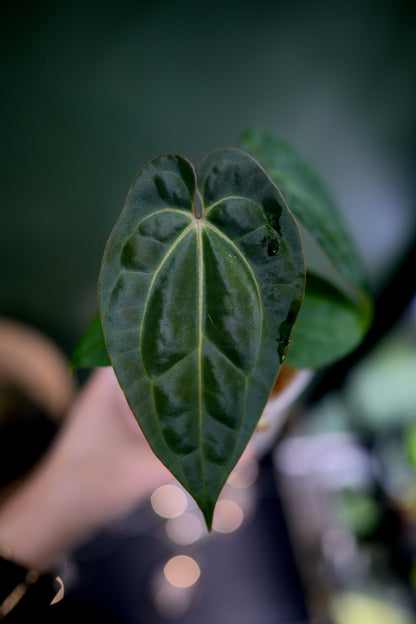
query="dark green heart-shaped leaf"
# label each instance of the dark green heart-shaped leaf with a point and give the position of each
(201, 282)
(330, 255)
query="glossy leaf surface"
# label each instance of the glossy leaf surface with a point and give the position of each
(201, 282)
(337, 310)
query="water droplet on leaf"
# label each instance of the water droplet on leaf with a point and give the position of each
(273, 247)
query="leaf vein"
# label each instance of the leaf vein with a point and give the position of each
(223, 199)
(226, 356)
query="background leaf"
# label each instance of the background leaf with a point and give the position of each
(198, 302)
(91, 351)
(337, 309)
(329, 325)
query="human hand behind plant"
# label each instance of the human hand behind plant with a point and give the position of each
(99, 466)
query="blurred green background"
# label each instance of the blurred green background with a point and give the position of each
(93, 90)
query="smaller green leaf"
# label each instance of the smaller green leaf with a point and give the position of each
(91, 350)
(329, 325)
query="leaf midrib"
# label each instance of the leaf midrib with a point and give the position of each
(200, 335)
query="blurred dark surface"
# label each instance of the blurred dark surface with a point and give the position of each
(26, 432)
(247, 576)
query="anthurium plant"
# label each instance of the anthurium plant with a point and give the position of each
(212, 277)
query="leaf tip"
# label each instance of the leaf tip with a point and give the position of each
(207, 508)
(208, 514)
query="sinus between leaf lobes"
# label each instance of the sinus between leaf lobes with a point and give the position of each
(197, 206)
